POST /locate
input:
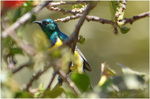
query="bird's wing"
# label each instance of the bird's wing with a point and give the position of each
(63, 36)
(86, 66)
(85, 63)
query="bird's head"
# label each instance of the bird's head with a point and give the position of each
(47, 25)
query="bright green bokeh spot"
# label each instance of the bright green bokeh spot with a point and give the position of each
(57, 91)
(82, 81)
(23, 94)
(14, 51)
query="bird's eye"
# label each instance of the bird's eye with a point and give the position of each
(45, 22)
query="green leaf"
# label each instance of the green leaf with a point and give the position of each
(113, 5)
(28, 5)
(114, 8)
(77, 6)
(70, 94)
(56, 53)
(8, 42)
(57, 91)
(23, 94)
(33, 18)
(37, 94)
(25, 4)
(82, 81)
(17, 14)
(81, 39)
(107, 83)
(124, 30)
(20, 30)
(14, 51)
(41, 87)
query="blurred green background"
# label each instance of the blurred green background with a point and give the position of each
(131, 49)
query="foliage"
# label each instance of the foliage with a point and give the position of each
(111, 84)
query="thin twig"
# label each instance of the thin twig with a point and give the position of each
(74, 36)
(88, 18)
(34, 77)
(73, 11)
(76, 15)
(61, 10)
(52, 79)
(135, 18)
(64, 3)
(24, 19)
(70, 83)
(98, 19)
(22, 66)
(50, 83)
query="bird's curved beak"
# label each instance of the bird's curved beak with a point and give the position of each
(38, 22)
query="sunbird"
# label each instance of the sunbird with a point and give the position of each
(56, 37)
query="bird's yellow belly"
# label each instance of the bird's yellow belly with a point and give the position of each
(77, 64)
(58, 42)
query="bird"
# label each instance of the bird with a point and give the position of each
(56, 38)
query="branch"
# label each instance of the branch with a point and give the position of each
(70, 83)
(76, 14)
(61, 10)
(50, 83)
(74, 36)
(73, 12)
(53, 7)
(22, 66)
(64, 3)
(134, 18)
(24, 19)
(34, 77)
(52, 79)
(88, 18)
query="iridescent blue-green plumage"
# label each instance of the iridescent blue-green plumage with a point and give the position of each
(52, 31)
